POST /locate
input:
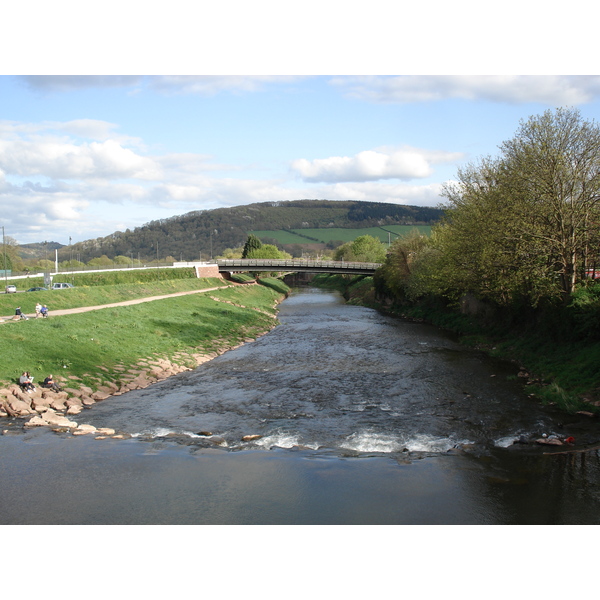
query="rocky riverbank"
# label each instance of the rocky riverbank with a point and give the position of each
(62, 410)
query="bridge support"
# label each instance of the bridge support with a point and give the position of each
(203, 269)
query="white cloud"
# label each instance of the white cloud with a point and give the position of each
(210, 85)
(553, 90)
(420, 195)
(201, 85)
(58, 160)
(67, 83)
(371, 165)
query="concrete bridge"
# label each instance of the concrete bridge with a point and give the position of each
(241, 265)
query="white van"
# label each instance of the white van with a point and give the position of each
(61, 286)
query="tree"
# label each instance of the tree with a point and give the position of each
(10, 255)
(122, 260)
(365, 248)
(252, 243)
(554, 167)
(393, 277)
(522, 225)
(269, 251)
(102, 261)
(230, 253)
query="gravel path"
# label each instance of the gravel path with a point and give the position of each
(81, 309)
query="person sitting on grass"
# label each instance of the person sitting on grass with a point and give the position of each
(51, 384)
(26, 382)
(19, 314)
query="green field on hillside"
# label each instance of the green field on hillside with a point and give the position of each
(326, 235)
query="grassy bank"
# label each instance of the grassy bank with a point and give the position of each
(564, 373)
(104, 343)
(100, 294)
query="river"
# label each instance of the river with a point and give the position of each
(362, 418)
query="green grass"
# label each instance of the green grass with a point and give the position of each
(326, 235)
(97, 295)
(85, 344)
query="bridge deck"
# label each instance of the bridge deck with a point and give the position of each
(299, 266)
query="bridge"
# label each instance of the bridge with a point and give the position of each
(242, 265)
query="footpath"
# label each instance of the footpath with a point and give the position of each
(82, 309)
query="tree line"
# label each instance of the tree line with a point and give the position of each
(521, 231)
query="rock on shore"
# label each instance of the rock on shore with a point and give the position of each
(45, 407)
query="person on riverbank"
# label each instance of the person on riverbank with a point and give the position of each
(19, 314)
(26, 382)
(38, 310)
(44, 311)
(51, 384)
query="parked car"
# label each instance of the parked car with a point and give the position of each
(61, 286)
(37, 289)
(11, 289)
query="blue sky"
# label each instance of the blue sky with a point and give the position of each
(240, 102)
(84, 156)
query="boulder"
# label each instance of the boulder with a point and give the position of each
(85, 428)
(53, 419)
(20, 407)
(58, 404)
(105, 431)
(41, 404)
(36, 421)
(99, 395)
(250, 438)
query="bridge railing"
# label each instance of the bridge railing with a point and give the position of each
(285, 265)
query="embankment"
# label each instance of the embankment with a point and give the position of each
(95, 355)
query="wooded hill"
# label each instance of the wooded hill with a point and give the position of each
(202, 234)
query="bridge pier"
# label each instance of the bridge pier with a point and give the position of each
(203, 269)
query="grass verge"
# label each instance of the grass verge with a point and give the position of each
(100, 344)
(101, 294)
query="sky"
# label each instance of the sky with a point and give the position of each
(88, 147)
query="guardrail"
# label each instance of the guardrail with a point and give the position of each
(330, 266)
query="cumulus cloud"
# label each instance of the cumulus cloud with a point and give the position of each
(553, 90)
(74, 161)
(371, 165)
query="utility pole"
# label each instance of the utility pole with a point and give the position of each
(4, 252)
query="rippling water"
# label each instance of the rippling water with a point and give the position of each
(342, 378)
(360, 418)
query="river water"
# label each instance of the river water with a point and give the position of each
(362, 418)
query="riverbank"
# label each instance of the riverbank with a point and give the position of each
(184, 330)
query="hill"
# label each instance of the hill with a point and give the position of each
(39, 250)
(202, 234)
